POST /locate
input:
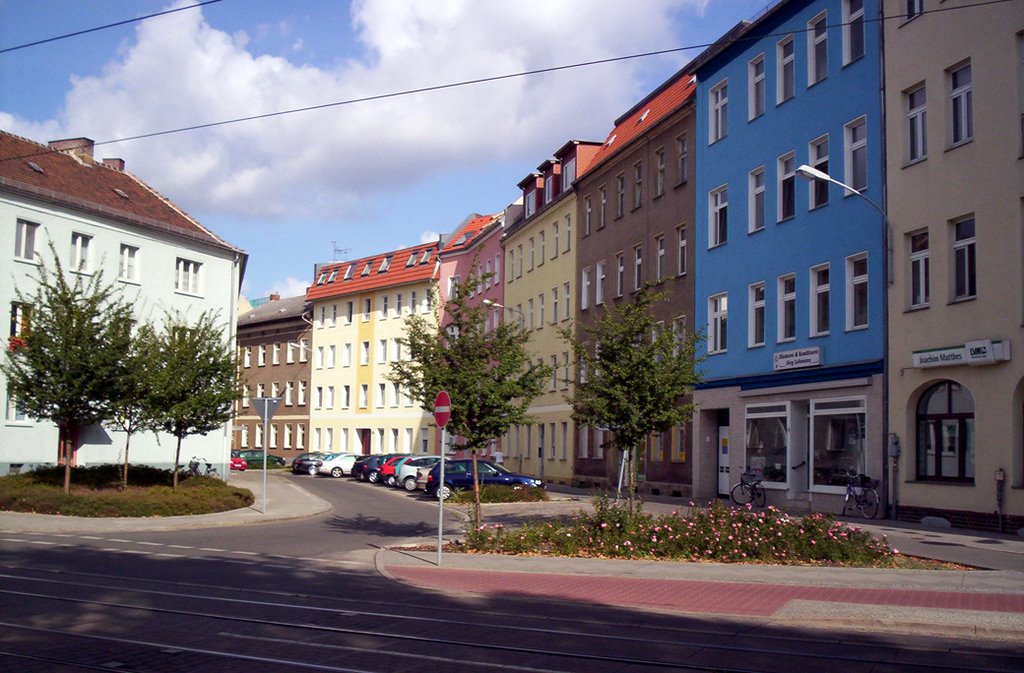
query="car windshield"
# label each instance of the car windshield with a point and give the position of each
(328, 456)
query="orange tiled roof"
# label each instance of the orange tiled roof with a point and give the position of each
(80, 182)
(468, 232)
(399, 267)
(645, 115)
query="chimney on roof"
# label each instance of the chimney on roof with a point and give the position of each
(116, 164)
(80, 146)
(275, 296)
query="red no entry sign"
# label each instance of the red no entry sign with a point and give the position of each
(442, 409)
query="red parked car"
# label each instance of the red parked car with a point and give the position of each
(388, 467)
(238, 463)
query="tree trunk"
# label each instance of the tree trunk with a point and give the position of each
(631, 471)
(177, 463)
(476, 493)
(64, 453)
(124, 476)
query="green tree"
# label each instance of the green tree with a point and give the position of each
(636, 376)
(194, 379)
(131, 410)
(488, 373)
(66, 365)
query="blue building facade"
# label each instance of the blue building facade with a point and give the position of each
(790, 284)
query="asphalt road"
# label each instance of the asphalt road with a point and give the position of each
(303, 596)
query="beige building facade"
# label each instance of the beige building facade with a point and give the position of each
(955, 174)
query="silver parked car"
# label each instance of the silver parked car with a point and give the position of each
(337, 464)
(409, 471)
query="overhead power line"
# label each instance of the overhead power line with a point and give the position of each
(483, 80)
(104, 27)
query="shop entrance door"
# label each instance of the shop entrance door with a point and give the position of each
(723, 460)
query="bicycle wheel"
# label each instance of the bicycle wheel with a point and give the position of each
(868, 503)
(758, 496)
(741, 494)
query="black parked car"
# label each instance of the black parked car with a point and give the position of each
(458, 475)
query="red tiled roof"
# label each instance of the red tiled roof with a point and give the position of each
(465, 235)
(645, 115)
(82, 183)
(398, 271)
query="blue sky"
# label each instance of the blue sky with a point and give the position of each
(366, 177)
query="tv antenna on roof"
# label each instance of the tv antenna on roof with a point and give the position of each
(338, 251)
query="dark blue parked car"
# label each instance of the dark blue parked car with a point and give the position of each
(458, 476)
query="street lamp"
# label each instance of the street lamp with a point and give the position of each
(494, 304)
(811, 173)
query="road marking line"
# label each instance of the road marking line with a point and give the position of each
(246, 553)
(152, 544)
(117, 539)
(90, 537)
(224, 551)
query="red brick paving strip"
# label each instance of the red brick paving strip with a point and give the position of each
(731, 598)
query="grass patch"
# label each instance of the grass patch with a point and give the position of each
(96, 492)
(717, 534)
(493, 493)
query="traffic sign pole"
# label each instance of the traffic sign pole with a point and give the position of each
(442, 412)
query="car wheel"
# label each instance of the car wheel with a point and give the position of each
(336, 472)
(444, 492)
(373, 477)
(312, 470)
(410, 483)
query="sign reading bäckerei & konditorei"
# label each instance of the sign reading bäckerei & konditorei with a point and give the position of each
(975, 353)
(796, 359)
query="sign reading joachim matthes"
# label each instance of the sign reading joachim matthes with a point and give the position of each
(981, 352)
(797, 359)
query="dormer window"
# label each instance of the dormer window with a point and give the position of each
(549, 188)
(426, 256)
(530, 202)
(412, 260)
(366, 269)
(348, 272)
(568, 174)
(334, 274)
(323, 276)
(385, 263)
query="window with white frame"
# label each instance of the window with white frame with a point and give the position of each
(718, 318)
(584, 289)
(681, 250)
(961, 120)
(318, 360)
(620, 195)
(584, 441)
(364, 353)
(638, 184)
(289, 390)
(364, 395)
(638, 267)
(920, 271)
(243, 441)
(818, 158)
(718, 216)
(785, 76)
(541, 238)
(261, 356)
(288, 435)
(529, 202)
(540, 311)
(329, 397)
(787, 308)
(554, 306)
(917, 124)
(303, 349)
(549, 188)
(382, 350)
(857, 291)
(599, 286)
(820, 300)
(568, 233)
(346, 355)
(289, 353)
(838, 440)
(301, 396)
(367, 309)
(317, 439)
(964, 264)
(755, 205)
(497, 266)
(682, 159)
(533, 254)
(659, 259)
(275, 354)
(566, 301)
(602, 211)
(273, 436)
(382, 395)
(767, 441)
(80, 252)
(755, 87)
(718, 112)
(659, 171)
(186, 278)
(25, 240)
(755, 315)
(346, 396)
(856, 169)
(568, 173)
(817, 49)
(247, 357)
(588, 215)
(318, 398)
(128, 263)
(853, 30)
(620, 274)
(300, 436)
(787, 186)
(914, 8)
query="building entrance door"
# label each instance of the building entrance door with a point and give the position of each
(364, 440)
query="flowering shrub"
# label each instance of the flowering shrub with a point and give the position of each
(16, 343)
(718, 533)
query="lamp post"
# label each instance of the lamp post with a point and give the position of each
(811, 173)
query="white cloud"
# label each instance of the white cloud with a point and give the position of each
(180, 71)
(429, 236)
(289, 287)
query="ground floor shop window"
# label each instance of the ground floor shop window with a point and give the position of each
(768, 441)
(837, 436)
(945, 433)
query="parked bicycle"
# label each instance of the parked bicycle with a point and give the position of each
(195, 471)
(861, 494)
(748, 490)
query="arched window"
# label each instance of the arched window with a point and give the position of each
(945, 433)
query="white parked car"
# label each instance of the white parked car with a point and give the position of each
(337, 464)
(408, 472)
